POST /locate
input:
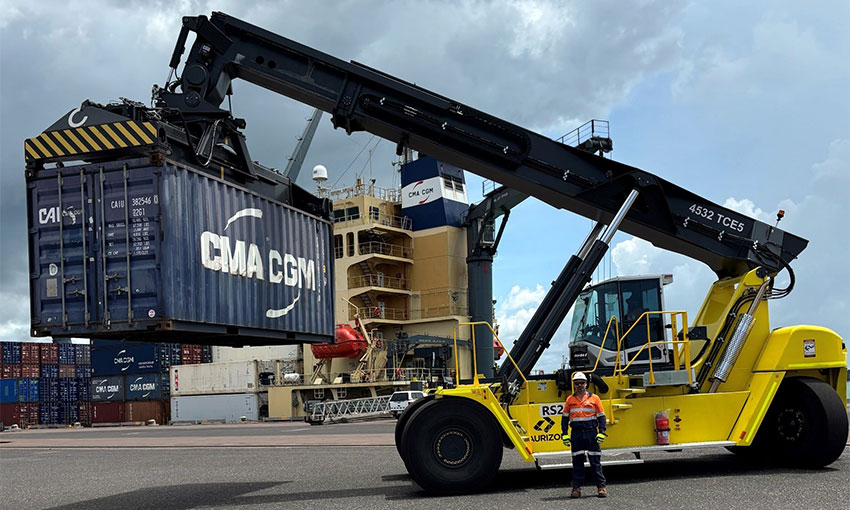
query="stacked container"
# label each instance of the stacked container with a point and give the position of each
(215, 391)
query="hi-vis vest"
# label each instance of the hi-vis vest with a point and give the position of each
(586, 413)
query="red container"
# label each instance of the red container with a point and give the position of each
(30, 354)
(111, 412)
(144, 411)
(192, 354)
(10, 371)
(10, 414)
(31, 370)
(67, 371)
(49, 354)
(29, 414)
(85, 413)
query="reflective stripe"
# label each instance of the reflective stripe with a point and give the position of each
(583, 410)
(600, 415)
(584, 418)
(586, 452)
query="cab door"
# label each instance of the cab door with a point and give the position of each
(636, 298)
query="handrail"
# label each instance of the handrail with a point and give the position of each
(475, 380)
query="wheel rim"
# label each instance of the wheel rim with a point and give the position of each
(791, 424)
(453, 448)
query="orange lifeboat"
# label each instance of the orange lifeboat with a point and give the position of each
(498, 350)
(349, 344)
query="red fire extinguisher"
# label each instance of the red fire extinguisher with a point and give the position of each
(662, 428)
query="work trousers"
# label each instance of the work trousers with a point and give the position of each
(584, 444)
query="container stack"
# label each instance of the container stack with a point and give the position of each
(44, 383)
(130, 380)
(216, 392)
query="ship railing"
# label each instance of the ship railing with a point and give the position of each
(393, 250)
(374, 280)
(350, 409)
(388, 220)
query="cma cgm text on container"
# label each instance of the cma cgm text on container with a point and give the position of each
(140, 251)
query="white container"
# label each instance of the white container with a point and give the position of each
(264, 352)
(215, 378)
(229, 408)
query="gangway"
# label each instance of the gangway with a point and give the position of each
(347, 410)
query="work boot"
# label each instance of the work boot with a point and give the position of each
(602, 493)
(576, 493)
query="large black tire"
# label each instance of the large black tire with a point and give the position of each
(404, 417)
(806, 425)
(452, 446)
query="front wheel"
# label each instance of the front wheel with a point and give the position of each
(453, 445)
(806, 424)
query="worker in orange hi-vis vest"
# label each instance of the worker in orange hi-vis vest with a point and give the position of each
(583, 414)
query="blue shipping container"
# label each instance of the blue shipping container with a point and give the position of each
(84, 389)
(51, 371)
(28, 390)
(67, 354)
(107, 389)
(203, 257)
(48, 389)
(129, 359)
(10, 353)
(68, 413)
(68, 390)
(8, 391)
(143, 387)
(48, 413)
(83, 371)
(82, 354)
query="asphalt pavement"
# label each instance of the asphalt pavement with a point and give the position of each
(235, 466)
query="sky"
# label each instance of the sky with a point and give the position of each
(746, 104)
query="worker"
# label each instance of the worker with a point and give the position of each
(634, 308)
(583, 414)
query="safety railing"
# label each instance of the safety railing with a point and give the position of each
(393, 250)
(393, 314)
(334, 410)
(475, 379)
(375, 280)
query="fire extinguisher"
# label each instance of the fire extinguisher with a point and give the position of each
(662, 428)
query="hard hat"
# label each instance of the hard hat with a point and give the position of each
(578, 376)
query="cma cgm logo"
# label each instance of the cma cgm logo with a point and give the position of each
(123, 359)
(424, 193)
(241, 258)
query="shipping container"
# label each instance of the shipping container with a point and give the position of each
(215, 378)
(156, 410)
(206, 354)
(143, 387)
(10, 414)
(229, 408)
(165, 384)
(85, 413)
(31, 370)
(82, 354)
(49, 354)
(84, 388)
(69, 413)
(191, 354)
(28, 390)
(68, 390)
(48, 413)
(30, 353)
(29, 414)
(204, 259)
(83, 371)
(107, 412)
(9, 391)
(51, 371)
(10, 353)
(67, 371)
(266, 352)
(67, 354)
(48, 389)
(107, 389)
(126, 359)
(10, 371)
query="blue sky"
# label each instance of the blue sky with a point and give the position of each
(747, 105)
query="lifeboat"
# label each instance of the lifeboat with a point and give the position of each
(498, 350)
(349, 344)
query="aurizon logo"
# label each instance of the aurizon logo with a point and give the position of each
(243, 258)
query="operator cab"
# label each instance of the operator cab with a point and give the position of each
(627, 298)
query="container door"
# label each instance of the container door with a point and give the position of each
(127, 218)
(61, 240)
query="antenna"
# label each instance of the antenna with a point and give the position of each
(320, 176)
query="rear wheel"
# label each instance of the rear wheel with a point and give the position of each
(806, 424)
(403, 419)
(451, 446)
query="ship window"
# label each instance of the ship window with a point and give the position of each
(453, 186)
(374, 214)
(338, 248)
(352, 213)
(339, 215)
(349, 239)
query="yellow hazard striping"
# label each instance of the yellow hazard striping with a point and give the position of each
(90, 140)
(40, 147)
(139, 131)
(150, 127)
(100, 137)
(115, 138)
(33, 154)
(64, 143)
(46, 139)
(77, 142)
(120, 127)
